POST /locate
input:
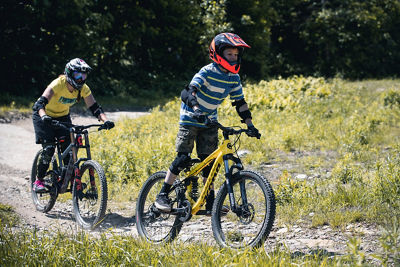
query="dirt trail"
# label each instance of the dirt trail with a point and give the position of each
(17, 150)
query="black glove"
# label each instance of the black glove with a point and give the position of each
(108, 125)
(46, 119)
(199, 116)
(253, 131)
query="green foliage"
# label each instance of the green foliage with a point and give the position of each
(12, 108)
(392, 98)
(7, 216)
(144, 48)
(293, 115)
(349, 38)
(252, 20)
(390, 242)
(136, 148)
(343, 135)
(34, 248)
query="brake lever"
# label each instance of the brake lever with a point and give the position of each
(101, 127)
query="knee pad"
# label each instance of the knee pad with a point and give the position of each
(47, 153)
(180, 162)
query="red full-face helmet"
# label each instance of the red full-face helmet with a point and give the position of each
(220, 43)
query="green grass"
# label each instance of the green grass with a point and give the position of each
(13, 109)
(32, 248)
(8, 216)
(345, 135)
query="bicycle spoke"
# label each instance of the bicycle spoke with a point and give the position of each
(152, 224)
(44, 201)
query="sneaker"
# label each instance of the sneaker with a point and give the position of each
(163, 203)
(38, 186)
(224, 210)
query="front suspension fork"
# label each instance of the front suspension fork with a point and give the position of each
(229, 179)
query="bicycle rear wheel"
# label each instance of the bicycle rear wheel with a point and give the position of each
(90, 195)
(252, 225)
(153, 225)
(45, 201)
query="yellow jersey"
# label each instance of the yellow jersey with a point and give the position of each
(63, 99)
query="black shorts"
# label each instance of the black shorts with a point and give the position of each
(45, 134)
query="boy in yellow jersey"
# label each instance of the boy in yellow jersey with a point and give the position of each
(54, 104)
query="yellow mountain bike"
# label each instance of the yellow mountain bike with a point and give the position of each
(248, 195)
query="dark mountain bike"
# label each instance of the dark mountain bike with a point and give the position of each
(249, 196)
(83, 177)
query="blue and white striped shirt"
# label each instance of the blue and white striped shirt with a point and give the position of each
(213, 86)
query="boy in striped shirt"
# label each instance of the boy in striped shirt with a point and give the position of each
(200, 99)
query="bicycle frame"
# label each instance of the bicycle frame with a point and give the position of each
(222, 154)
(76, 143)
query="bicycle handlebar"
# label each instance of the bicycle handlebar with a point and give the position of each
(75, 128)
(229, 130)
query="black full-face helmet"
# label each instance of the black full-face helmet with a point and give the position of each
(220, 43)
(76, 72)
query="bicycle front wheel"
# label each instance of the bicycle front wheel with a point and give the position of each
(90, 195)
(252, 223)
(44, 201)
(153, 225)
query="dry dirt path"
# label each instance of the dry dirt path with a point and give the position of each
(17, 149)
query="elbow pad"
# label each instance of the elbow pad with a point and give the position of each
(96, 109)
(187, 97)
(245, 114)
(40, 104)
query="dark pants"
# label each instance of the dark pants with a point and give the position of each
(45, 135)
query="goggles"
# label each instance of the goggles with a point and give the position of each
(79, 76)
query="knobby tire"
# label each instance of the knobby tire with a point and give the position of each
(89, 210)
(43, 202)
(231, 230)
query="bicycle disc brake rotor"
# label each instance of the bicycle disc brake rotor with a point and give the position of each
(247, 215)
(152, 215)
(92, 195)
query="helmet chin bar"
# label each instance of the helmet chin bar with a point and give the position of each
(74, 84)
(225, 64)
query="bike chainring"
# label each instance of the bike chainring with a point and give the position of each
(186, 214)
(50, 183)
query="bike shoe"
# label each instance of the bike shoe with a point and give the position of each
(163, 203)
(224, 210)
(38, 186)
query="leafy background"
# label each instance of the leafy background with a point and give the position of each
(147, 48)
(310, 80)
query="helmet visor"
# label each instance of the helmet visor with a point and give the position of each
(79, 76)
